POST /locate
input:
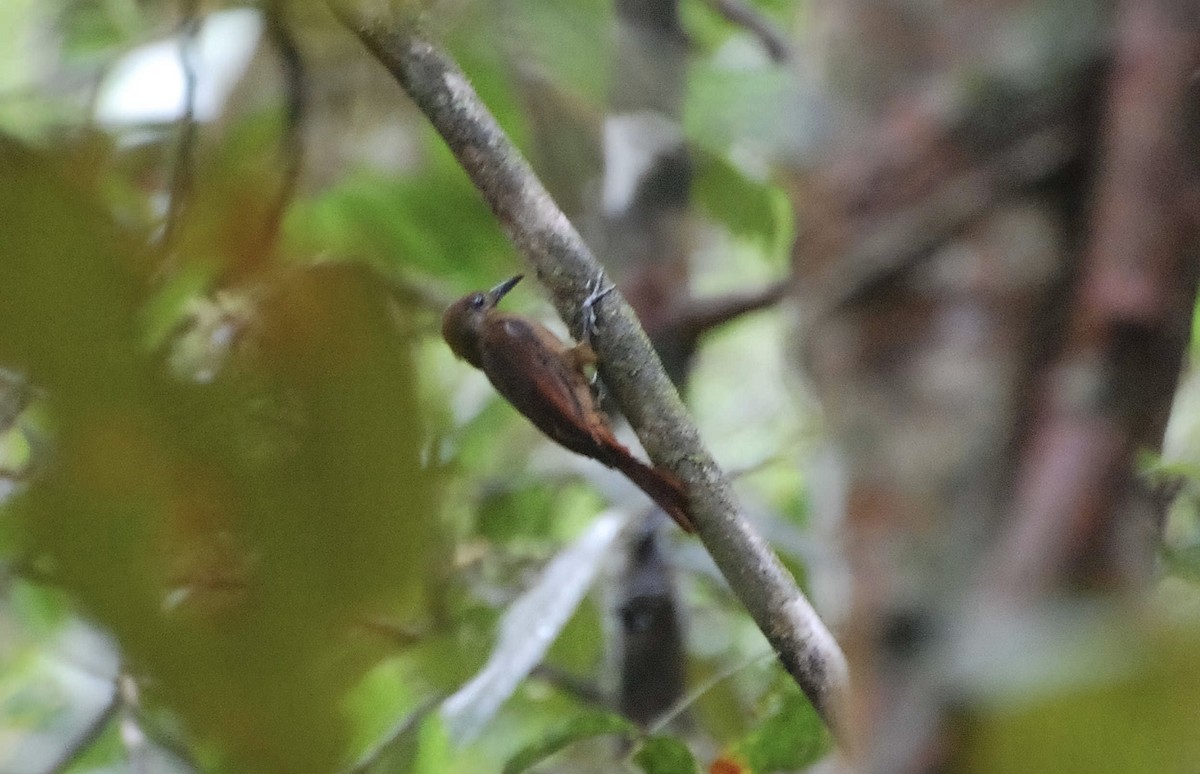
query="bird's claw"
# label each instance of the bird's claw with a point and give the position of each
(589, 324)
(598, 389)
(595, 293)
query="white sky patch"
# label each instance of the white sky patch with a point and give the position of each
(632, 143)
(147, 85)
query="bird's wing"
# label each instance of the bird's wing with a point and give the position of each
(541, 384)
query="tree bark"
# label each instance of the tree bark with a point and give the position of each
(997, 268)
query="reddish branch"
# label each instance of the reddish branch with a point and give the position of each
(676, 331)
(1109, 393)
(701, 315)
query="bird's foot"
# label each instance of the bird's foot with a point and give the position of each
(596, 291)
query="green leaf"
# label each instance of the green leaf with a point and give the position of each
(1184, 562)
(97, 27)
(749, 208)
(433, 747)
(1196, 330)
(581, 727)
(791, 737)
(665, 755)
(41, 611)
(754, 108)
(431, 223)
(707, 29)
(522, 510)
(232, 535)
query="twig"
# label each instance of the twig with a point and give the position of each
(133, 738)
(398, 734)
(697, 693)
(90, 734)
(583, 691)
(181, 175)
(291, 65)
(741, 13)
(701, 315)
(632, 371)
(164, 740)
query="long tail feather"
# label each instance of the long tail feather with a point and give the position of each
(662, 487)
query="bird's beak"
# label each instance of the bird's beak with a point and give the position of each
(495, 294)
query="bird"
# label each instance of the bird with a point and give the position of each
(544, 378)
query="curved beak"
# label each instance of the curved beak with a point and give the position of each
(495, 294)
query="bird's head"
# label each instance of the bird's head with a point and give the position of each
(462, 322)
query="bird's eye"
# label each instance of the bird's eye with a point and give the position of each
(477, 301)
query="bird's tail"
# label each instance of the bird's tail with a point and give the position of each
(663, 488)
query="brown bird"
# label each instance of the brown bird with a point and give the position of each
(544, 379)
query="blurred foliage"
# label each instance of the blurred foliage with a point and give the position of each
(583, 726)
(748, 208)
(1141, 720)
(231, 534)
(434, 218)
(243, 456)
(665, 755)
(241, 472)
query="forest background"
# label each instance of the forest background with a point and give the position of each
(924, 274)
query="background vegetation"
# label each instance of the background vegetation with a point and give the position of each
(255, 517)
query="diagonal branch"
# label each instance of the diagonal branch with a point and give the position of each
(567, 268)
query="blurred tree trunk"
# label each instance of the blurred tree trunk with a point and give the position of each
(996, 270)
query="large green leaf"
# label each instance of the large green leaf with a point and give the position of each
(790, 737)
(749, 208)
(235, 534)
(665, 755)
(576, 729)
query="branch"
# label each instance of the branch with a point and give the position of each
(700, 315)
(1110, 391)
(295, 82)
(741, 13)
(82, 743)
(396, 739)
(183, 172)
(633, 373)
